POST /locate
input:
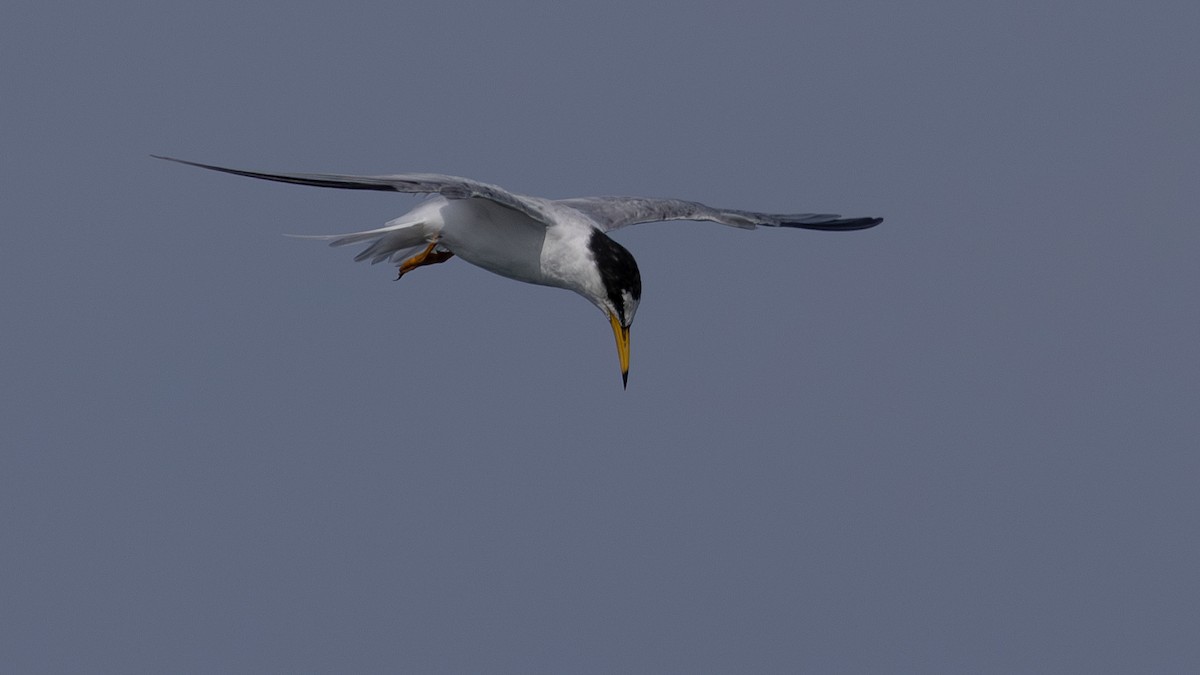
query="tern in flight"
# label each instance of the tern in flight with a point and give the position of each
(550, 242)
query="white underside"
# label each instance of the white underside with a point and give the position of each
(493, 237)
(499, 240)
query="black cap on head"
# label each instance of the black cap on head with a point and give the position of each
(619, 272)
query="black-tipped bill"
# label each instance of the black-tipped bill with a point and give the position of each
(622, 335)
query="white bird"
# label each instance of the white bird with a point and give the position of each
(550, 242)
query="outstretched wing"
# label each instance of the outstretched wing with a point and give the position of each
(611, 213)
(450, 187)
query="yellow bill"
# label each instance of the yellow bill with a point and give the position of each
(622, 335)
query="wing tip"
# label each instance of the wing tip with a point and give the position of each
(189, 163)
(836, 224)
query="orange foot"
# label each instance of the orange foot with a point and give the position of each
(425, 257)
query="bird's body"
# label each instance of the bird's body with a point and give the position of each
(512, 244)
(549, 242)
(498, 239)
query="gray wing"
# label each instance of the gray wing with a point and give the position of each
(611, 213)
(450, 187)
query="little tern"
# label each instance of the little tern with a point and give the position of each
(550, 242)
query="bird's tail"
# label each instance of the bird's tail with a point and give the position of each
(396, 240)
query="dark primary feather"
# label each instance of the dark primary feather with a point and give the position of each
(450, 187)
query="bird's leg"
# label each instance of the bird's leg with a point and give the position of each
(425, 257)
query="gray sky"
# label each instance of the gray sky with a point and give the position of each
(964, 441)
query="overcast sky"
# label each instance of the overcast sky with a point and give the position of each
(963, 441)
